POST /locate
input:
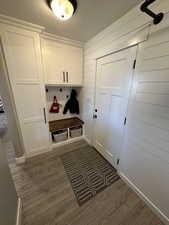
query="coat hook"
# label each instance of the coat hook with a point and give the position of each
(157, 17)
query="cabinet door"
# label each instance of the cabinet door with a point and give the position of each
(73, 65)
(52, 53)
(23, 58)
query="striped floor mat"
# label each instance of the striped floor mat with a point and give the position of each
(88, 172)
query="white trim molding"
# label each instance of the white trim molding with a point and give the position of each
(20, 23)
(153, 207)
(36, 153)
(107, 155)
(61, 39)
(19, 212)
(69, 141)
(7, 20)
(87, 140)
(53, 146)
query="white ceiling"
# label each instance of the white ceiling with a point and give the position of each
(91, 17)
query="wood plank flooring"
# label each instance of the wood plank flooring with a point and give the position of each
(48, 198)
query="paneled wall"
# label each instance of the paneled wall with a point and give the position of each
(144, 169)
(113, 38)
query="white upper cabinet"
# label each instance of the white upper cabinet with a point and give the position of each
(73, 65)
(52, 53)
(63, 64)
(23, 59)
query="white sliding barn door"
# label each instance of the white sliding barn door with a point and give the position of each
(145, 157)
(23, 58)
(113, 81)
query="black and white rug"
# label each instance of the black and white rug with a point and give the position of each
(88, 172)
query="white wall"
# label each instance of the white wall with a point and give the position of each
(145, 156)
(117, 36)
(113, 38)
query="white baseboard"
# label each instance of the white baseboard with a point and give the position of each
(19, 212)
(36, 153)
(153, 207)
(51, 147)
(87, 140)
(107, 155)
(20, 160)
(69, 141)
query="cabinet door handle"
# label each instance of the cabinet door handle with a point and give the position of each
(64, 77)
(67, 77)
(44, 112)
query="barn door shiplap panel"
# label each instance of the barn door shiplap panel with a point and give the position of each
(145, 157)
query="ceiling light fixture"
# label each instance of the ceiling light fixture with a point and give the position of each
(63, 9)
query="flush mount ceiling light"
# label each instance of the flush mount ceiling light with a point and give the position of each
(63, 9)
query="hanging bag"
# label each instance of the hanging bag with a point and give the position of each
(55, 106)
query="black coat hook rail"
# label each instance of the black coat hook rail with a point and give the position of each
(157, 17)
